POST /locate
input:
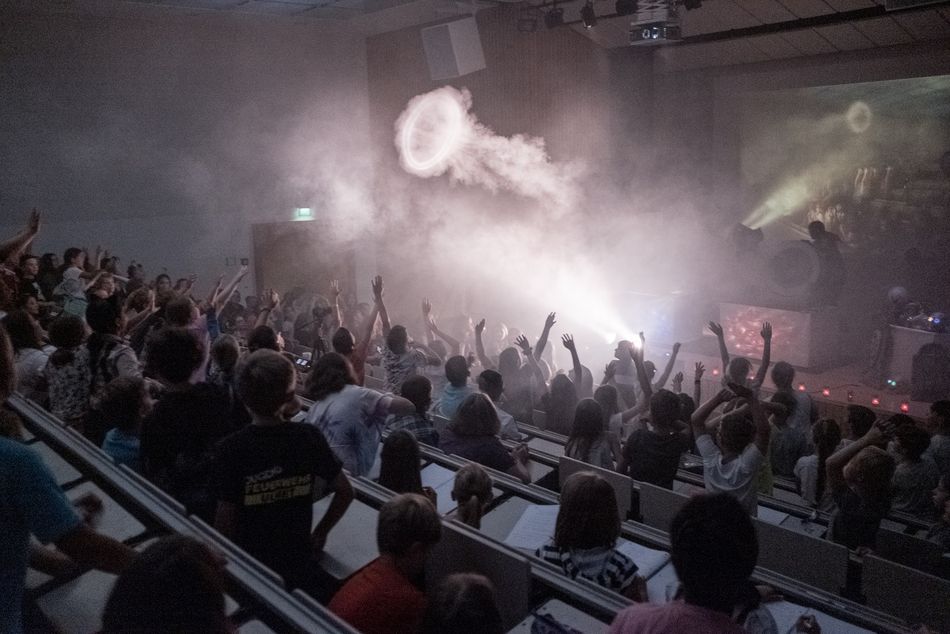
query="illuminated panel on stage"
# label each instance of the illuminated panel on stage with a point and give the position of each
(804, 339)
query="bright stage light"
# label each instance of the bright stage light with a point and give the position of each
(432, 132)
(858, 117)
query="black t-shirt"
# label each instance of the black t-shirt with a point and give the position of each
(176, 442)
(273, 474)
(854, 523)
(654, 458)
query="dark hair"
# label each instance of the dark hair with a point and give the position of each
(942, 409)
(121, 402)
(664, 408)
(138, 299)
(714, 550)
(491, 383)
(178, 311)
(69, 254)
(738, 369)
(163, 275)
(901, 420)
(174, 354)
(606, 395)
(561, 402)
(736, 431)
(588, 517)
(860, 420)
(263, 338)
(28, 256)
(46, 262)
(786, 400)
(104, 315)
(456, 370)
(342, 341)
(225, 352)
(588, 426)
(330, 374)
(399, 463)
(783, 374)
(23, 330)
(264, 380)
(476, 416)
(687, 406)
(826, 436)
(509, 361)
(174, 586)
(417, 389)
(405, 520)
(463, 603)
(397, 339)
(913, 440)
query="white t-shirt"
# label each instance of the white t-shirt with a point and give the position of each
(30, 364)
(806, 471)
(737, 477)
(509, 427)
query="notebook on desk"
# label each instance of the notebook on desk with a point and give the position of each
(534, 528)
(648, 560)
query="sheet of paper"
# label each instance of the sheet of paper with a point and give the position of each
(786, 614)
(662, 586)
(535, 528)
(648, 560)
(771, 515)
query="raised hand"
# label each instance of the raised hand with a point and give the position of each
(522, 342)
(568, 341)
(335, 290)
(609, 372)
(676, 347)
(550, 321)
(766, 331)
(242, 272)
(715, 328)
(270, 299)
(678, 380)
(33, 224)
(426, 307)
(698, 371)
(480, 327)
(192, 279)
(378, 288)
(431, 323)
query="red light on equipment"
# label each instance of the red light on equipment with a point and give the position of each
(715, 372)
(850, 395)
(875, 401)
(825, 391)
(801, 387)
(905, 407)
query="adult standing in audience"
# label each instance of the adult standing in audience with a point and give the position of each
(385, 596)
(473, 435)
(267, 475)
(351, 417)
(31, 503)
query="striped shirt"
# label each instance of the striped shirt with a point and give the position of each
(606, 567)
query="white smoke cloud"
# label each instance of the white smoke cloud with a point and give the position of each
(437, 134)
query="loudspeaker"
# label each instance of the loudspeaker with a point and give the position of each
(453, 49)
(930, 379)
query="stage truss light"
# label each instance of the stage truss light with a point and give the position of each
(588, 17)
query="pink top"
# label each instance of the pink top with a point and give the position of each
(672, 618)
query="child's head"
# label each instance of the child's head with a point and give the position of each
(463, 603)
(911, 442)
(687, 406)
(782, 375)
(263, 338)
(342, 341)
(826, 436)
(398, 339)
(869, 474)
(456, 371)
(407, 527)
(473, 492)
(225, 352)
(939, 419)
(664, 408)
(124, 403)
(588, 420)
(714, 550)
(860, 420)
(588, 517)
(787, 407)
(491, 384)
(66, 333)
(607, 396)
(417, 389)
(399, 463)
(174, 354)
(738, 370)
(476, 416)
(736, 431)
(266, 382)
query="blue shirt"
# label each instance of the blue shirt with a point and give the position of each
(30, 502)
(123, 448)
(351, 420)
(451, 398)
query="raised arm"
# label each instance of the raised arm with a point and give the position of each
(455, 347)
(834, 466)
(642, 377)
(7, 366)
(342, 497)
(763, 430)
(522, 342)
(214, 292)
(568, 341)
(669, 367)
(269, 302)
(14, 247)
(378, 299)
(335, 293)
(427, 320)
(766, 354)
(225, 295)
(698, 382)
(716, 329)
(545, 332)
(480, 347)
(698, 421)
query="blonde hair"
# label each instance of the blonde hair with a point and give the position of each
(472, 491)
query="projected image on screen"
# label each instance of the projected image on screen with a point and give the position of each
(869, 160)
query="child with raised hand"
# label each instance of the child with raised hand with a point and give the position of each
(586, 534)
(473, 493)
(732, 462)
(859, 477)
